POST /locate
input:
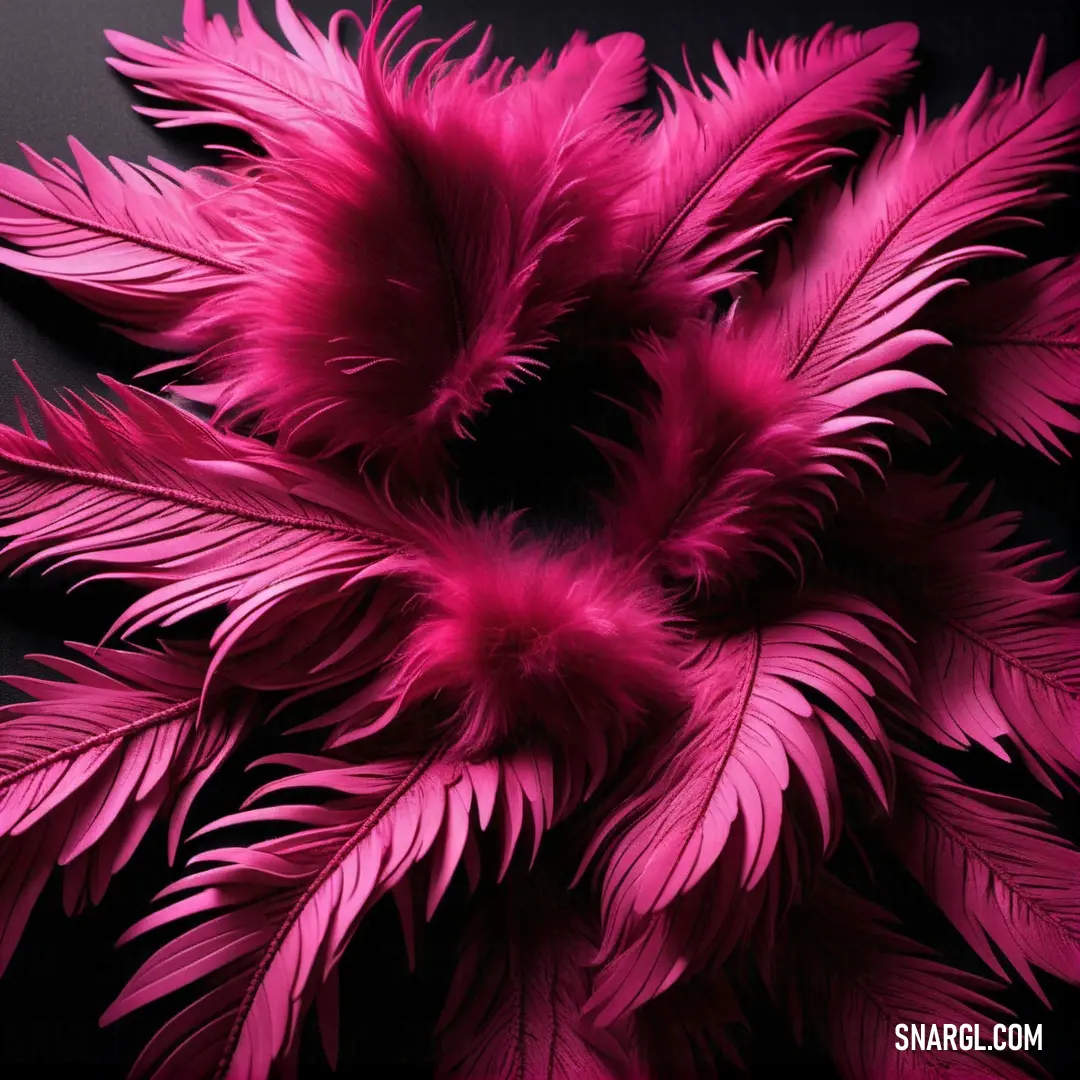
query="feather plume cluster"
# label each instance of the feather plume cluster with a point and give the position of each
(642, 735)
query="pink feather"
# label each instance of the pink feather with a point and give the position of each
(146, 492)
(245, 79)
(1014, 367)
(151, 249)
(89, 763)
(994, 866)
(753, 420)
(701, 928)
(843, 971)
(289, 906)
(687, 1030)
(520, 640)
(585, 85)
(715, 791)
(413, 263)
(514, 1008)
(720, 162)
(732, 466)
(418, 226)
(997, 643)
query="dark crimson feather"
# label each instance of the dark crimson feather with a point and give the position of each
(850, 977)
(413, 263)
(515, 1005)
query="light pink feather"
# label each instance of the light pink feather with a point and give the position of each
(872, 254)
(91, 760)
(151, 249)
(246, 79)
(281, 96)
(585, 85)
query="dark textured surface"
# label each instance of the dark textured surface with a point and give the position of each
(54, 82)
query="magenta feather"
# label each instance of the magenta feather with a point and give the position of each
(753, 420)
(997, 642)
(518, 640)
(720, 162)
(292, 904)
(715, 791)
(514, 1008)
(993, 866)
(147, 492)
(687, 1031)
(488, 196)
(854, 979)
(89, 763)
(1015, 363)
(245, 79)
(152, 249)
(493, 692)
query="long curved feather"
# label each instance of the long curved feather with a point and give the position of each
(515, 1005)
(850, 977)
(734, 461)
(245, 79)
(720, 162)
(994, 866)
(720, 779)
(704, 926)
(149, 493)
(871, 255)
(152, 249)
(1014, 368)
(91, 760)
(996, 652)
(289, 906)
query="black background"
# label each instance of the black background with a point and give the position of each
(54, 82)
